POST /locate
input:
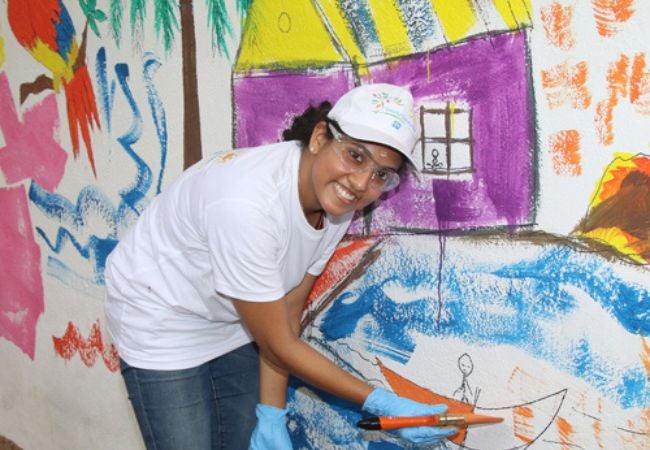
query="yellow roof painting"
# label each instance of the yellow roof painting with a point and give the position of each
(303, 34)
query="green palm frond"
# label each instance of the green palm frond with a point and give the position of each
(93, 14)
(219, 25)
(242, 8)
(138, 13)
(166, 21)
(116, 13)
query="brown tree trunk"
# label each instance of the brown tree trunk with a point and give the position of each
(191, 120)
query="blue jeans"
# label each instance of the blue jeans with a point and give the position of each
(209, 407)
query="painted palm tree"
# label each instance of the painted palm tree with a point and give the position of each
(166, 13)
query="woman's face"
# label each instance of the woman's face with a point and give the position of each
(348, 175)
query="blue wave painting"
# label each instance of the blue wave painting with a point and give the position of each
(546, 315)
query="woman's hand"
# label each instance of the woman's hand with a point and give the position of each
(271, 430)
(385, 403)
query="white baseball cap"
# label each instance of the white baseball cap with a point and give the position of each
(381, 113)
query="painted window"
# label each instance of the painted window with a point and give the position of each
(446, 138)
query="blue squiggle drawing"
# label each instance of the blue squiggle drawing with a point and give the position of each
(74, 217)
(106, 93)
(151, 65)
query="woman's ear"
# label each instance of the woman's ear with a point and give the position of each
(319, 137)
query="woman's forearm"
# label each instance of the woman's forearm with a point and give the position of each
(273, 384)
(310, 366)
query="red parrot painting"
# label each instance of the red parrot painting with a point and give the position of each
(45, 29)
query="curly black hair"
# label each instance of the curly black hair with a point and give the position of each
(303, 125)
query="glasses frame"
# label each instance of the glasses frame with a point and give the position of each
(375, 180)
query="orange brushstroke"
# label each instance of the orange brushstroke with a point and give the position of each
(640, 85)
(565, 151)
(598, 427)
(406, 388)
(598, 433)
(73, 342)
(617, 81)
(523, 428)
(638, 439)
(566, 431)
(610, 14)
(345, 258)
(566, 83)
(557, 25)
(645, 355)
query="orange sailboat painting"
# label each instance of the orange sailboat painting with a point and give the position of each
(540, 413)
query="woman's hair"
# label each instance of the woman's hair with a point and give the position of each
(303, 125)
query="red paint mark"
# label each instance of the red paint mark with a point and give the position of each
(557, 25)
(21, 285)
(611, 14)
(522, 418)
(31, 150)
(82, 112)
(565, 83)
(73, 342)
(565, 431)
(35, 20)
(565, 151)
(345, 258)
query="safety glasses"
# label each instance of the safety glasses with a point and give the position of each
(356, 158)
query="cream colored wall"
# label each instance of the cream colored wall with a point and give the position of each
(50, 401)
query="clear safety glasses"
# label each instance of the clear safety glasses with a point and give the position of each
(356, 158)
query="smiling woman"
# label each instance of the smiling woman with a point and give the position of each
(205, 293)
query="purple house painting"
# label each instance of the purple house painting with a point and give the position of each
(470, 77)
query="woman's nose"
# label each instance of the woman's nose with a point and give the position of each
(361, 180)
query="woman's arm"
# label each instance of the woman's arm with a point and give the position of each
(273, 379)
(275, 327)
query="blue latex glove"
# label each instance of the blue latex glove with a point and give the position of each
(381, 402)
(271, 430)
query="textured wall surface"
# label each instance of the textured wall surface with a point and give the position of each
(510, 278)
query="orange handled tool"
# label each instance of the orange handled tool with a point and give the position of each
(458, 420)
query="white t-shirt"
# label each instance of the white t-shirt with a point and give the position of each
(230, 226)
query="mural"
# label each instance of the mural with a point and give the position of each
(429, 297)
(512, 337)
(46, 31)
(510, 278)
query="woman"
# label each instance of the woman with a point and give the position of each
(227, 255)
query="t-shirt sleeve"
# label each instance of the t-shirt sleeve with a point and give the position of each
(243, 243)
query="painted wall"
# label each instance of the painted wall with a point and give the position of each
(518, 288)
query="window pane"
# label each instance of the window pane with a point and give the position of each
(434, 125)
(435, 157)
(461, 156)
(460, 125)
